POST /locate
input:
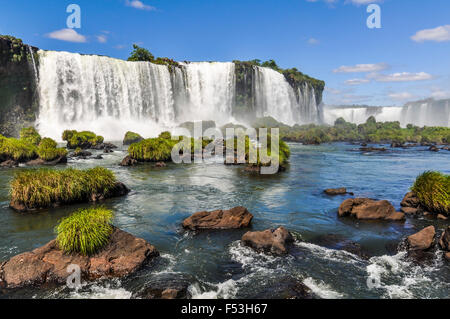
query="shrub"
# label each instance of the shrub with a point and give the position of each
(165, 135)
(433, 191)
(85, 139)
(30, 134)
(152, 150)
(85, 232)
(48, 150)
(131, 137)
(17, 149)
(41, 188)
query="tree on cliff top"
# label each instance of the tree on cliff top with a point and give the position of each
(141, 54)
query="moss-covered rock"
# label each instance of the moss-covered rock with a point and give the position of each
(131, 137)
(48, 150)
(152, 150)
(83, 140)
(30, 134)
(42, 188)
(18, 105)
(19, 150)
(433, 191)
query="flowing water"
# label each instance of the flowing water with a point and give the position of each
(423, 113)
(111, 96)
(216, 264)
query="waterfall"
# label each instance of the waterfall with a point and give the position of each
(275, 97)
(421, 113)
(111, 96)
(210, 91)
(34, 64)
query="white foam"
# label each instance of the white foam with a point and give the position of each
(321, 289)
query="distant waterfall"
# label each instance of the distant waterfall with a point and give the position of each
(422, 113)
(111, 96)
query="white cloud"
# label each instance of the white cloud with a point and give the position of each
(356, 81)
(440, 94)
(139, 5)
(401, 96)
(69, 35)
(313, 41)
(102, 39)
(361, 68)
(439, 34)
(402, 77)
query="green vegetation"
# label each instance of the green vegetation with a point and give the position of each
(370, 132)
(17, 149)
(85, 232)
(433, 191)
(48, 150)
(165, 135)
(144, 55)
(131, 137)
(31, 135)
(152, 150)
(41, 188)
(84, 140)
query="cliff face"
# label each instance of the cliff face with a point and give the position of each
(18, 98)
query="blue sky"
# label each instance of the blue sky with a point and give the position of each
(407, 59)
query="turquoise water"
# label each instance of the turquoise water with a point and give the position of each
(215, 263)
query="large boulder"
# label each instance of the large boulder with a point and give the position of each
(128, 161)
(273, 241)
(444, 241)
(238, 217)
(422, 240)
(369, 209)
(124, 255)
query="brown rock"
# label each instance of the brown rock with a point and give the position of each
(335, 191)
(410, 200)
(444, 241)
(160, 164)
(9, 163)
(273, 241)
(128, 161)
(397, 216)
(40, 161)
(441, 217)
(409, 210)
(237, 217)
(124, 255)
(447, 256)
(369, 209)
(423, 239)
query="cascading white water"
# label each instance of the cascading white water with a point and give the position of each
(111, 96)
(424, 113)
(210, 91)
(34, 64)
(275, 97)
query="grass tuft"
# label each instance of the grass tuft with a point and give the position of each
(131, 137)
(41, 188)
(85, 232)
(433, 190)
(31, 135)
(17, 149)
(152, 150)
(49, 151)
(84, 140)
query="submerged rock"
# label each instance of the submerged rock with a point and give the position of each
(369, 209)
(123, 255)
(40, 161)
(128, 161)
(422, 240)
(167, 286)
(372, 149)
(287, 287)
(273, 241)
(336, 191)
(433, 148)
(160, 164)
(237, 217)
(9, 163)
(338, 242)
